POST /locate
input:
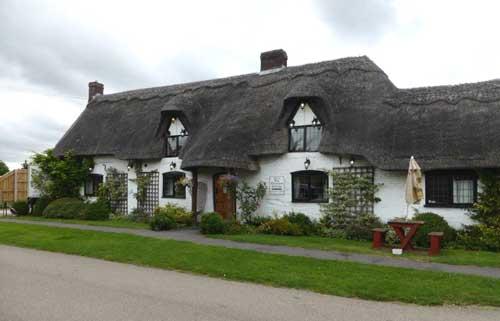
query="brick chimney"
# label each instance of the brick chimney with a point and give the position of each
(273, 59)
(95, 88)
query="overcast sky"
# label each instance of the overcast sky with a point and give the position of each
(50, 51)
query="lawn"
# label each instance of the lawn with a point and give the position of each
(330, 277)
(114, 222)
(451, 256)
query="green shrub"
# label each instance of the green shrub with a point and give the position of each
(138, 215)
(182, 216)
(40, 205)
(307, 226)
(280, 226)
(331, 232)
(490, 237)
(480, 236)
(21, 208)
(162, 221)
(212, 223)
(355, 226)
(235, 227)
(361, 227)
(65, 208)
(257, 221)
(97, 211)
(433, 223)
(485, 234)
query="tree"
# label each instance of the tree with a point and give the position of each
(3, 168)
(60, 177)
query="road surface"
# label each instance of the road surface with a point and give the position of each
(39, 286)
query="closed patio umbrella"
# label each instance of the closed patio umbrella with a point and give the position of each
(413, 186)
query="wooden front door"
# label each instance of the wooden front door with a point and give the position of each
(223, 199)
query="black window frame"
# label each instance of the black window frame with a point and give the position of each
(96, 179)
(177, 149)
(175, 176)
(309, 173)
(448, 177)
(304, 127)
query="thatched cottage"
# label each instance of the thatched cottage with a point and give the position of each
(289, 126)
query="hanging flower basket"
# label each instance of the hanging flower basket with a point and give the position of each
(229, 182)
(185, 182)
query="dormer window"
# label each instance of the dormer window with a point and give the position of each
(176, 137)
(305, 130)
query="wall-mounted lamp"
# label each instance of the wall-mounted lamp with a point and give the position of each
(302, 105)
(316, 122)
(173, 166)
(351, 162)
(307, 163)
(173, 119)
(145, 165)
(91, 168)
(292, 124)
(184, 132)
(130, 165)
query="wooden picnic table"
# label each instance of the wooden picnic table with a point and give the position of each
(405, 231)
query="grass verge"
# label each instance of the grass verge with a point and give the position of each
(451, 256)
(114, 222)
(330, 277)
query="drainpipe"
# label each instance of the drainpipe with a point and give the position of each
(194, 196)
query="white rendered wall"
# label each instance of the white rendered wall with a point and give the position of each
(391, 190)
(176, 126)
(304, 116)
(283, 166)
(392, 194)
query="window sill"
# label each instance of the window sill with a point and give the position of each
(308, 202)
(448, 205)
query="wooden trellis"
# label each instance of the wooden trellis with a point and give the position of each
(367, 172)
(152, 200)
(120, 180)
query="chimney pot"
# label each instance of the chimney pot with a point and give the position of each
(95, 88)
(273, 59)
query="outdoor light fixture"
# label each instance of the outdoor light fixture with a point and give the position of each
(315, 121)
(184, 132)
(130, 165)
(307, 163)
(292, 124)
(173, 119)
(173, 166)
(351, 162)
(302, 105)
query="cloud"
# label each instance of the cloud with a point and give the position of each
(50, 51)
(364, 20)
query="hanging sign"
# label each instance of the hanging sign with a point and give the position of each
(277, 185)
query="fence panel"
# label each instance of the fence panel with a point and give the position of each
(14, 186)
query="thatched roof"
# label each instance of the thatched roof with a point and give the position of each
(232, 121)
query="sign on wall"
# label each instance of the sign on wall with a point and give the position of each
(277, 185)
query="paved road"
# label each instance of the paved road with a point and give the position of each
(195, 237)
(39, 286)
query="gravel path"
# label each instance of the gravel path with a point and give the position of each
(195, 237)
(44, 286)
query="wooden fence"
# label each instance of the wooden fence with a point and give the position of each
(14, 186)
